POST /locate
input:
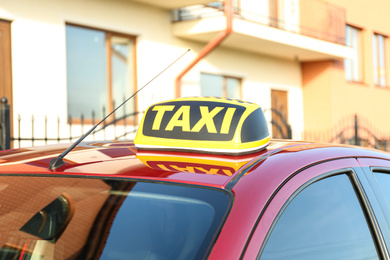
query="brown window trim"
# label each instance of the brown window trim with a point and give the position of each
(382, 87)
(385, 45)
(88, 120)
(358, 83)
(360, 61)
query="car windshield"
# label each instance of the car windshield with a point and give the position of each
(91, 218)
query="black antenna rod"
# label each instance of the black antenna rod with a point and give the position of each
(58, 161)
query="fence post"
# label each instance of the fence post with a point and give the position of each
(5, 137)
(289, 132)
(356, 137)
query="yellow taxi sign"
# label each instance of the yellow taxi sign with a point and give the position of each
(206, 124)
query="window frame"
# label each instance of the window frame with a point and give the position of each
(300, 179)
(224, 83)
(379, 54)
(371, 166)
(87, 119)
(356, 66)
(360, 196)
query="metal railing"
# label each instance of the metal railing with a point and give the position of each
(5, 132)
(317, 19)
(123, 127)
(354, 130)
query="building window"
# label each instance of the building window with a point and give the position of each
(220, 86)
(100, 71)
(379, 62)
(354, 66)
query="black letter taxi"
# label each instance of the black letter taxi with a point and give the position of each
(201, 180)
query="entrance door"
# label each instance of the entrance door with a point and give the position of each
(279, 114)
(5, 64)
(5, 61)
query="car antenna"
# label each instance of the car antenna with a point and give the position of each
(58, 161)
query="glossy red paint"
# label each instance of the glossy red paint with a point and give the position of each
(254, 183)
(282, 196)
(255, 190)
(275, 163)
(118, 159)
(372, 162)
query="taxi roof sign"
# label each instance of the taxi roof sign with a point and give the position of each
(205, 124)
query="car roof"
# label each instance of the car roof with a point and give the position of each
(121, 159)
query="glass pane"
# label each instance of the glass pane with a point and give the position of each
(49, 221)
(122, 74)
(379, 60)
(381, 55)
(355, 60)
(348, 69)
(353, 67)
(211, 85)
(167, 226)
(86, 71)
(324, 221)
(233, 88)
(348, 62)
(383, 180)
(107, 219)
(375, 56)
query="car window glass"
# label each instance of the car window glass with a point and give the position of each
(91, 218)
(383, 180)
(49, 221)
(167, 226)
(324, 221)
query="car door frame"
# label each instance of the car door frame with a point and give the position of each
(301, 179)
(382, 210)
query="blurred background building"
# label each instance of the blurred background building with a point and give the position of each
(319, 69)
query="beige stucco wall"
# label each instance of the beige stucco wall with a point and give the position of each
(329, 100)
(39, 59)
(259, 75)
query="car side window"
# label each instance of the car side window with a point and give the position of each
(383, 180)
(323, 221)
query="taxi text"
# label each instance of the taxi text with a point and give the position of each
(181, 118)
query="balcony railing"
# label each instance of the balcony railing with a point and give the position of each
(312, 18)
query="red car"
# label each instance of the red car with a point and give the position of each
(202, 180)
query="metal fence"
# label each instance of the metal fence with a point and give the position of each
(65, 131)
(317, 19)
(354, 130)
(281, 129)
(5, 132)
(37, 132)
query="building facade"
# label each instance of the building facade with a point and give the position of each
(73, 61)
(356, 86)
